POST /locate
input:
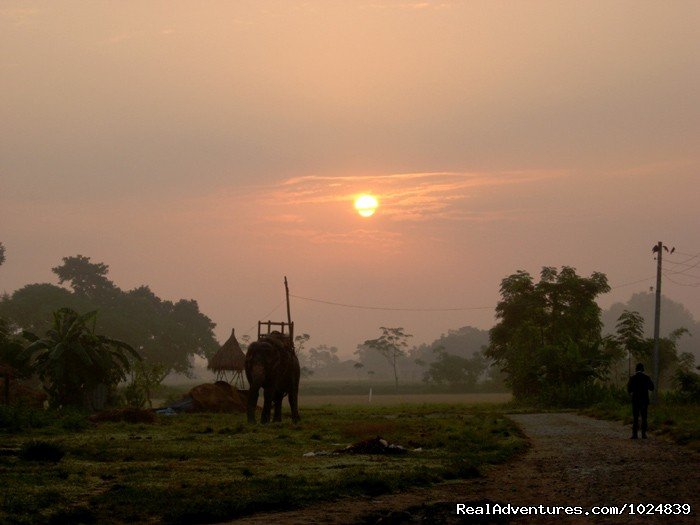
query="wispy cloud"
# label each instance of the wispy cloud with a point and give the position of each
(20, 15)
(409, 5)
(404, 196)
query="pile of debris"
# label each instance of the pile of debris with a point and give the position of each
(377, 445)
(216, 397)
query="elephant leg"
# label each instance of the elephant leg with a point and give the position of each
(252, 404)
(294, 404)
(267, 405)
(278, 406)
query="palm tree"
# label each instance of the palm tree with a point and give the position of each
(72, 360)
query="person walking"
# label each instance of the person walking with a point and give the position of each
(639, 386)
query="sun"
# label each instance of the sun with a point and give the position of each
(366, 205)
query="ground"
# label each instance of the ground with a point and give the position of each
(573, 460)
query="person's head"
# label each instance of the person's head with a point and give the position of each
(639, 367)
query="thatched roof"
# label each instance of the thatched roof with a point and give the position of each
(229, 356)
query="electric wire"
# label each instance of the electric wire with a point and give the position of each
(266, 316)
(386, 308)
(401, 309)
(632, 282)
(692, 285)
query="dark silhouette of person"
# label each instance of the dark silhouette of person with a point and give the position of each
(639, 386)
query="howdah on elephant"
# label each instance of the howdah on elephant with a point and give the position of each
(271, 364)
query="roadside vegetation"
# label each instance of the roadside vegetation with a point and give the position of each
(679, 422)
(203, 468)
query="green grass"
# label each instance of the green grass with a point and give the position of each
(204, 468)
(680, 422)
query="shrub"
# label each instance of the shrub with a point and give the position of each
(42, 451)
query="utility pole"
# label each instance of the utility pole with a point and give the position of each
(289, 313)
(657, 318)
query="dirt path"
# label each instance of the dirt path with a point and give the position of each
(574, 460)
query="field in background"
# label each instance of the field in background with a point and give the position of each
(393, 399)
(353, 392)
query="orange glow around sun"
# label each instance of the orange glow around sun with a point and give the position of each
(366, 205)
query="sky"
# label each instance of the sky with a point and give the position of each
(208, 149)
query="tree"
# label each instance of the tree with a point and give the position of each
(86, 278)
(11, 352)
(72, 360)
(163, 332)
(322, 356)
(145, 378)
(392, 345)
(672, 313)
(456, 370)
(2, 253)
(630, 334)
(31, 307)
(548, 334)
(299, 344)
(358, 367)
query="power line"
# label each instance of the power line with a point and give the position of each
(401, 309)
(267, 315)
(385, 308)
(631, 283)
(691, 255)
(694, 285)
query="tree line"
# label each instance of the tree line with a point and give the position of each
(547, 344)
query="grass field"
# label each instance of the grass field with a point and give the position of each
(203, 468)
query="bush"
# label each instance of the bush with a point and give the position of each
(688, 383)
(42, 451)
(19, 418)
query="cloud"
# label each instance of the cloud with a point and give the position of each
(405, 196)
(409, 5)
(19, 16)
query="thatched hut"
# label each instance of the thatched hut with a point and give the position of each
(229, 360)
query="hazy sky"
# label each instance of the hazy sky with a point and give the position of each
(210, 148)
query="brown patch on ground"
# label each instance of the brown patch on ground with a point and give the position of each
(574, 460)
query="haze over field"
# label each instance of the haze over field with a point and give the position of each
(210, 148)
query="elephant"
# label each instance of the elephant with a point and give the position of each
(272, 365)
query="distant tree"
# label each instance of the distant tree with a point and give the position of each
(72, 360)
(163, 332)
(2, 253)
(630, 337)
(86, 278)
(548, 333)
(11, 351)
(31, 307)
(673, 314)
(322, 356)
(392, 344)
(455, 370)
(463, 342)
(358, 366)
(299, 347)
